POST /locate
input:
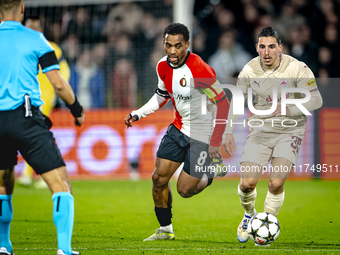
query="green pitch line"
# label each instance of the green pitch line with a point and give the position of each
(114, 217)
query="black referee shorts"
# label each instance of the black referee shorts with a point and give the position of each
(178, 147)
(30, 136)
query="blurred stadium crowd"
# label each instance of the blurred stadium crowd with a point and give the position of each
(113, 49)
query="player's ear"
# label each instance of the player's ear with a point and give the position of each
(22, 8)
(257, 48)
(280, 48)
(187, 44)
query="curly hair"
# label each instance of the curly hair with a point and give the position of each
(269, 32)
(177, 28)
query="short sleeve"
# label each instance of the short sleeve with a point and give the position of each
(305, 78)
(46, 55)
(161, 84)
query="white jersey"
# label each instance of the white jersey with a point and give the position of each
(185, 85)
(290, 73)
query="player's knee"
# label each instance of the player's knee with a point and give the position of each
(159, 181)
(185, 193)
(247, 185)
(275, 185)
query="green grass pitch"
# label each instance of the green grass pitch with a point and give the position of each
(113, 217)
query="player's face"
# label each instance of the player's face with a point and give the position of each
(269, 51)
(175, 48)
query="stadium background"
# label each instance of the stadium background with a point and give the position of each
(114, 47)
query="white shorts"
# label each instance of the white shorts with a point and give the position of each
(262, 147)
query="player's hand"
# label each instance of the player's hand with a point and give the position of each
(229, 144)
(277, 112)
(214, 152)
(79, 121)
(128, 120)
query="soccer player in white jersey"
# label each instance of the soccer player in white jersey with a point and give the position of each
(271, 141)
(191, 138)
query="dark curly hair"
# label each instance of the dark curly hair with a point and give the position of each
(269, 32)
(177, 28)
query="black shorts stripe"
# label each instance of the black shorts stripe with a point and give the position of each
(48, 59)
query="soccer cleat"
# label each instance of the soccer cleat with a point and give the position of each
(25, 181)
(161, 235)
(60, 252)
(219, 169)
(3, 251)
(242, 233)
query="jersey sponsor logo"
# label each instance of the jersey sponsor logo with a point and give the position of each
(181, 97)
(311, 82)
(183, 82)
(269, 98)
(283, 83)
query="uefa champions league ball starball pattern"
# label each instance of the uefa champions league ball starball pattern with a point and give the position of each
(263, 228)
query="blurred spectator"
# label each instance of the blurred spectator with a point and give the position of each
(80, 25)
(71, 48)
(129, 15)
(124, 86)
(87, 81)
(302, 48)
(229, 58)
(288, 18)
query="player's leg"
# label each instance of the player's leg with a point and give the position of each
(196, 174)
(170, 154)
(162, 196)
(285, 154)
(256, 154)
(275, 195)
(38, 147)
(6, 209)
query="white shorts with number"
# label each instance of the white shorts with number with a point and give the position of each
(262, 147)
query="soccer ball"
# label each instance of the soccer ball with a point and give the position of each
(263, 228)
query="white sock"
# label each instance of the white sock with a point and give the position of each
(248, 201)
(167, 228)
(273, 202)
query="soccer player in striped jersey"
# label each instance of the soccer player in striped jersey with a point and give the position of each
(192, 137)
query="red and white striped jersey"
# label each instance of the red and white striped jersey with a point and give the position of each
(185, 84)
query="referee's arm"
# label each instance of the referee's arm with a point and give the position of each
(64, 91)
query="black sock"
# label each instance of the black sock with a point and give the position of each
(163, 215)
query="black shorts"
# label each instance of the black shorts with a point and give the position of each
(30, 136)
(178, 147)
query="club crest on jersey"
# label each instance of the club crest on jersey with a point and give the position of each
(283, 83)
(183, 82)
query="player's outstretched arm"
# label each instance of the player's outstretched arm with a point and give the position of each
(65, 92)
(155, 103)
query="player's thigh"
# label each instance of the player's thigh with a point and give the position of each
(37, 145)
(164, 170)
(288, 147)
(281, 168)
(197, 160)
(258, 150)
